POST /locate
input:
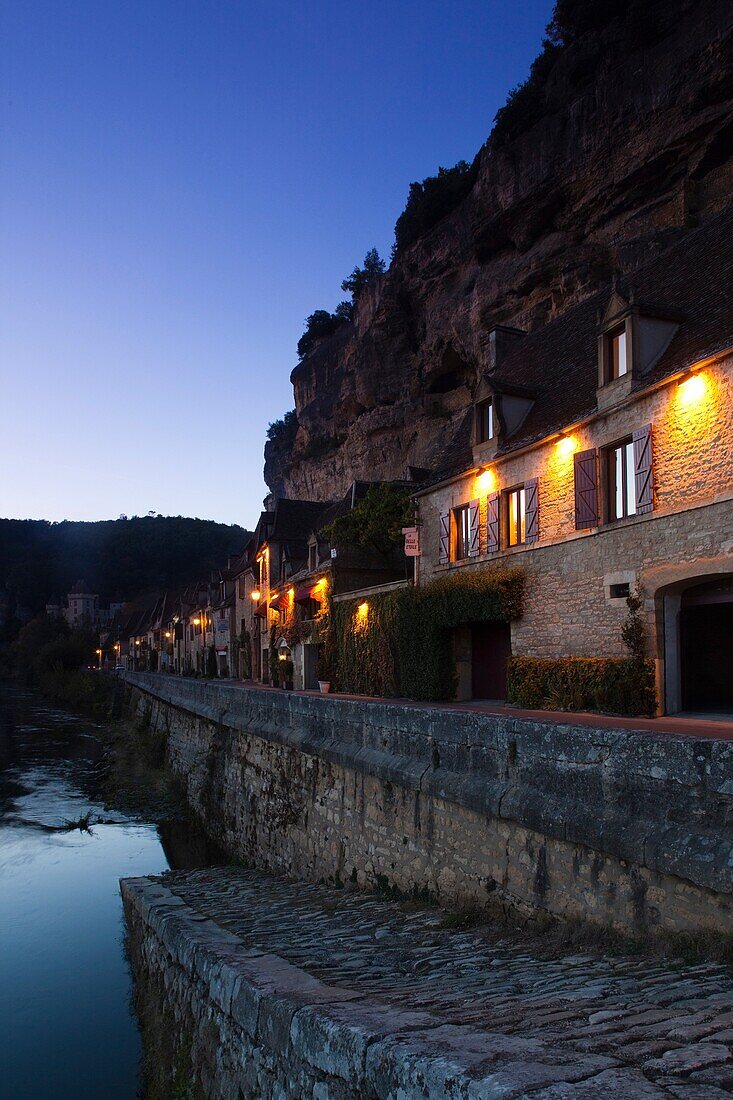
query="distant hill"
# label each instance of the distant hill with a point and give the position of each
(119, 558)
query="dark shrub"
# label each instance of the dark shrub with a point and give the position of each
(614, 685)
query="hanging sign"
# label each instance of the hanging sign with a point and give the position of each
(412, 542)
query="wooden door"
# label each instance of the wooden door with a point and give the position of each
(490, 647)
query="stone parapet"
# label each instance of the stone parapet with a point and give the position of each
(615, 825)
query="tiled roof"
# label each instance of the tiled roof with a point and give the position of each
(692, 281)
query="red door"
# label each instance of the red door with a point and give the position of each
(490, 647)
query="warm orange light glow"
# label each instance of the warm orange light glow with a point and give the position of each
(567, 445)
(197, 622)
(137, 642)
(486, 482)
(692, 389)
(362, 615)
(255, 595)
(167, 633)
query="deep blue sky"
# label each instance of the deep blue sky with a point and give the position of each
(181, 183)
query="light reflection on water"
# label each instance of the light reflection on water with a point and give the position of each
(66, 1027)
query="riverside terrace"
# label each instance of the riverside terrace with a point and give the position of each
(585, 822)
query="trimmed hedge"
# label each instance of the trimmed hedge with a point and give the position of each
(614, 685)
(403, 645)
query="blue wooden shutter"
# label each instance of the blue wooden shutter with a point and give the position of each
(474, 532)
(444, 551)
(492, 523)
(586, 490)
(643, 476)
(531, 510)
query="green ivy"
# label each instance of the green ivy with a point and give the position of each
(403, 645)
(610, 685)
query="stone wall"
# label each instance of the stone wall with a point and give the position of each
(243, 1022)
(569, 610)
(468, 809)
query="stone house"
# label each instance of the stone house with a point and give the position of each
(287, 573)
(598, 456)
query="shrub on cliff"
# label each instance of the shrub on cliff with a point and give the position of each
(431, 200)
(318, 325)
(282, 432)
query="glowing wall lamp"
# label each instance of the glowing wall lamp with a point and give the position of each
(566, 445)
(486, 482)
(255, 595)
(692, 388)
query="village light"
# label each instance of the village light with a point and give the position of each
(255, 595)
(486, 481)
(362, 614)
(692, 388)
(167, 633)
(197, 622)
(567, 444)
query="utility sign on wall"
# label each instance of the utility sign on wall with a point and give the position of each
(412, 542)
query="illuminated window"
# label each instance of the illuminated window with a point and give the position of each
(620, 479)
(617, 361)
(516, 516)
(462, 532)
(484, 421)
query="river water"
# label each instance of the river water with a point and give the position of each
(67, 1031)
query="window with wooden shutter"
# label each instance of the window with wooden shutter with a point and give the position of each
(444, 550)
(643, 476)
(474, 532)
(532, 510)
(586, 490)
(492, 523)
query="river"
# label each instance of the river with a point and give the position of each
(67, 1030)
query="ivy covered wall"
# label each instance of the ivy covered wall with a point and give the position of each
(399, 643)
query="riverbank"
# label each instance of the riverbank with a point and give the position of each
(469, 811)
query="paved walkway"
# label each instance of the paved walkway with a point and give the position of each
(574, 1027)
(717, 727)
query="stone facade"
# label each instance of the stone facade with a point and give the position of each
(469, 809)
(570, 608)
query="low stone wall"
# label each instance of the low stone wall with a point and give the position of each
(464, 808)
(247, 1023)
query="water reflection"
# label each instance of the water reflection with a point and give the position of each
(66, 1029)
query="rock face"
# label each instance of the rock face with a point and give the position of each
(631, 150)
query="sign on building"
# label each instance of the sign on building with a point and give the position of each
(412, 542)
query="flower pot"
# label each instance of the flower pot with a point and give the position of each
(324, 686)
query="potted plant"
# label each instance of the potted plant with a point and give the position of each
(323, 672)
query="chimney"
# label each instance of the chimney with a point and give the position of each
(500, 341)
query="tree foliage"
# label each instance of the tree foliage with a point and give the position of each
(318, 325)
(283, 431)
(362, 277)
(375, 521)
(431, 200)
(118, 558)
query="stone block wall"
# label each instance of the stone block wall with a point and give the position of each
(467, 809)
(568, 608)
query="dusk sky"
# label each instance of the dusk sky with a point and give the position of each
(181, 184)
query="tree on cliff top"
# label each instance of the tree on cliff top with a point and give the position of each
(361, 277)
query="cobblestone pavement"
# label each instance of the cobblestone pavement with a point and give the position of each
(575, 1026)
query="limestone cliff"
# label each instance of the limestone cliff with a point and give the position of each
(630, 148)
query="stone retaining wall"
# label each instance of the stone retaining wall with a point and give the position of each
(465, 808)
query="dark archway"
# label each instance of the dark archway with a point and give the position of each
(706, 647)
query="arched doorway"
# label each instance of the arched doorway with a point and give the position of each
(706, 646)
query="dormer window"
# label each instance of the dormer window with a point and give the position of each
(485, 421)
(617, 360)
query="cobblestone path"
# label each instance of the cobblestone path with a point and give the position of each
(575, 1026)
